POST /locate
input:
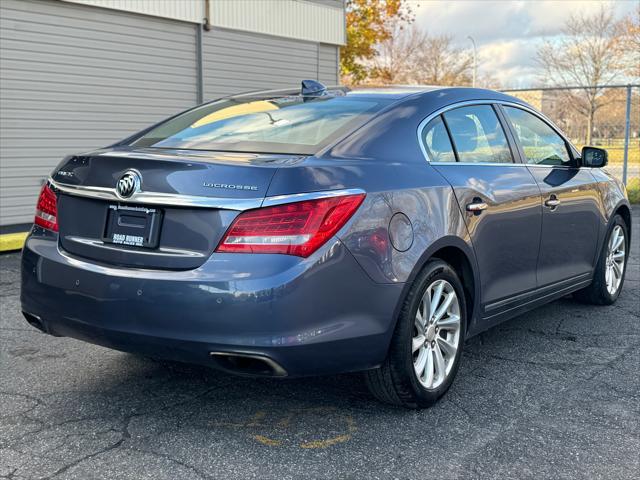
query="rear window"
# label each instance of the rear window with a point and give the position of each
(291, 124)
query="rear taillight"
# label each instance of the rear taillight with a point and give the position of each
(47, 209)
(298, 228)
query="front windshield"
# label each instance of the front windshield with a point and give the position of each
(290, 124)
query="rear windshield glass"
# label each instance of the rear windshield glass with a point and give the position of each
(291, 124)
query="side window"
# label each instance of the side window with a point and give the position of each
(437, 143)
(478, 135)
(540, 143)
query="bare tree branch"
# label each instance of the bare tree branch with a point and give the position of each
(590, 53)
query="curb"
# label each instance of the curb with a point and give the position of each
(12, 241)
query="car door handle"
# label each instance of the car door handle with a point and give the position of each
(552, 202)
(476, 206)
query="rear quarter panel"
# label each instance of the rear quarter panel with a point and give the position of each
(410, 211)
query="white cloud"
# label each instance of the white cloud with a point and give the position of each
(512, 62)
(507, 33)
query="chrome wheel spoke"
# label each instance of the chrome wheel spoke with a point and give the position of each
(445, 347)
(440, 369)
(420, 362)
(619, 239)
(435, 298)
(417, 343)
(618, 255)
(614, 239)
(428, 371)
(425, 306)
(616, 270)
(445, 305)
(451, 322)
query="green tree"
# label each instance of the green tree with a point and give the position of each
(369, 22)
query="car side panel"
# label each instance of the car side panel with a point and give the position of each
(505, 236)
(570, 231)
(612, 197)
(611, 192)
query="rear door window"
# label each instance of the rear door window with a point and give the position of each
(541, 144)
(478, 135)
(437, 143)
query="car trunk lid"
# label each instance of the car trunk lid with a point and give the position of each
(183, 203)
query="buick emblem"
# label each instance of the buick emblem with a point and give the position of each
(128, 184)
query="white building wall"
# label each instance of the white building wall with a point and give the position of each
(185, 10)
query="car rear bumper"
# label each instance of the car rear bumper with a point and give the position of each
(309, 316)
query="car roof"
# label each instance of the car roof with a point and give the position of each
(391, 92)
(395, 92)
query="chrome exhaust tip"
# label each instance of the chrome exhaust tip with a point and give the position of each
(34, 321)
(251, 364)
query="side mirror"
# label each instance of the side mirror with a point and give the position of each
(594, 157)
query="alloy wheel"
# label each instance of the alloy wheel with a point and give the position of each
(614, 265)
(436, 334)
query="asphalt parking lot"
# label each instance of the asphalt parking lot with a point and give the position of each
(552, 394)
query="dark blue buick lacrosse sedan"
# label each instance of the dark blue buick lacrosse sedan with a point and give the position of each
(323, 230)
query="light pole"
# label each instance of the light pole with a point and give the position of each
(475, 60)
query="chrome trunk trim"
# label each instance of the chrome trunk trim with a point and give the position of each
(156, 198)
(179, 200)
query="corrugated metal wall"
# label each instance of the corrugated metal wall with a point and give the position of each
(241, 61)
(312, 20)
(328, 58)
(304, 20)
(72, 80)
(75, 77)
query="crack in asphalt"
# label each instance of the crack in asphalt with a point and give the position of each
(553, 393)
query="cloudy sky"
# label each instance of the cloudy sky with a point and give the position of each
(507, 32)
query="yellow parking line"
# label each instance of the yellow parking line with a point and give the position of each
(12, 241)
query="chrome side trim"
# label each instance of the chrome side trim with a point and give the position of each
(498, 164)
(178, 200)
(298, 197)
(466, 103)
(155, 198)
(484, 164)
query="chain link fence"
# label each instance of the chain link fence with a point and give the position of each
(606, 116)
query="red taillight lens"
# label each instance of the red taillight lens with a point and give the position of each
(47, 209)
(298, 228)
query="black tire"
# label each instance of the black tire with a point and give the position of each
(597, 293)
(395, 381)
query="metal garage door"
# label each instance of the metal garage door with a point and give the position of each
(236, 61)
(73, 78)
